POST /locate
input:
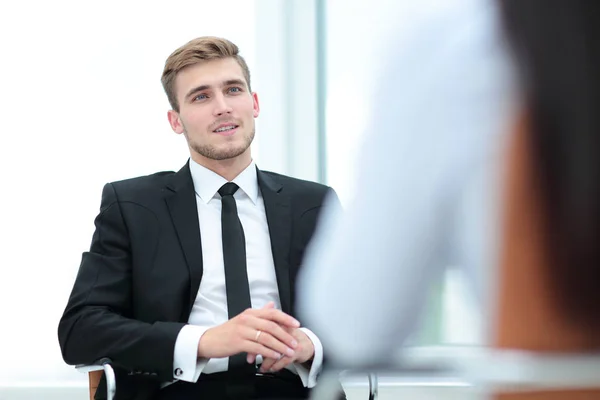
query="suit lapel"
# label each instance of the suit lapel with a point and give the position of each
(279, 219)
(184, 213)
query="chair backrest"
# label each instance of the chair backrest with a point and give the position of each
(528, 317)
(94, 380)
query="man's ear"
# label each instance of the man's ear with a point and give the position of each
(175, 121)
(256, 105)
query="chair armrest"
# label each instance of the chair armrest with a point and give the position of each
(373, 386)
(102, 364)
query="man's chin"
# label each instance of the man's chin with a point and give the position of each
(221, 151)
(224, 154)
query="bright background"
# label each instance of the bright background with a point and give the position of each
(82, 105)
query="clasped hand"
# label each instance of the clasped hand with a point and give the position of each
(266, 331)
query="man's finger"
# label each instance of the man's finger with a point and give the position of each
(250, 346)
(267, 364)
(270, 341)
(251, 358)
(277, 316)
(269, 330)
(281, 364)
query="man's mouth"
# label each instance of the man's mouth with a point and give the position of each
(228, 129)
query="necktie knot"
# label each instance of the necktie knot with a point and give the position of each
(228, 189)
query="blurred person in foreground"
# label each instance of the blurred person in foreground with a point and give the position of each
(188, 284)
(473, 77)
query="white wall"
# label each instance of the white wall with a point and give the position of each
(82, 105)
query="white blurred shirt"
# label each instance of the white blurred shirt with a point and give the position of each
(425, 192)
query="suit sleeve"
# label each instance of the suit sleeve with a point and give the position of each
(97, 321)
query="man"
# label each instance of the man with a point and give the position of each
(188, 286)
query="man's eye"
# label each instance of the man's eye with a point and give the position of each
(200, 97)
(235, 89)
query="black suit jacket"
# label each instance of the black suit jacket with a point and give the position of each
(136, 286)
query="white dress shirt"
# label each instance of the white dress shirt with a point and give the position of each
(426, 187)
(210, 306)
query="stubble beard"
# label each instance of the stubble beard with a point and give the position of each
(214, 153)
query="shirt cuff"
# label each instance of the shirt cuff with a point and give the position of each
(309, 377)
(186, 364)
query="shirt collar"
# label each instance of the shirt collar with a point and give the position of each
(207, 183)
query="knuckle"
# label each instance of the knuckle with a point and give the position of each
(272, 327)
(268, 339)
(279, 344)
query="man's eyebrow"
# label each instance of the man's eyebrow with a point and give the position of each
(196, 89)
(228, 82)
(236, 81)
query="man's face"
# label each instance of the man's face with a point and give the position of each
(216, 109)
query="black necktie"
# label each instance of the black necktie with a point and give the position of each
(234, 258)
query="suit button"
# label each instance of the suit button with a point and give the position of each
(178, 372)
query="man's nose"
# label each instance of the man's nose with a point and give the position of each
(221, 105)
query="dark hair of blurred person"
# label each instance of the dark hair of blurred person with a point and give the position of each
(556, 47)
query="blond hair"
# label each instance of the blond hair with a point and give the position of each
(195, 51)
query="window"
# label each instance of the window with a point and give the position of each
(357, 39)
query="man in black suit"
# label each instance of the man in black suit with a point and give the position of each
(188, 286)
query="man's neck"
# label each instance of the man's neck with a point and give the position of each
(229, 168)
